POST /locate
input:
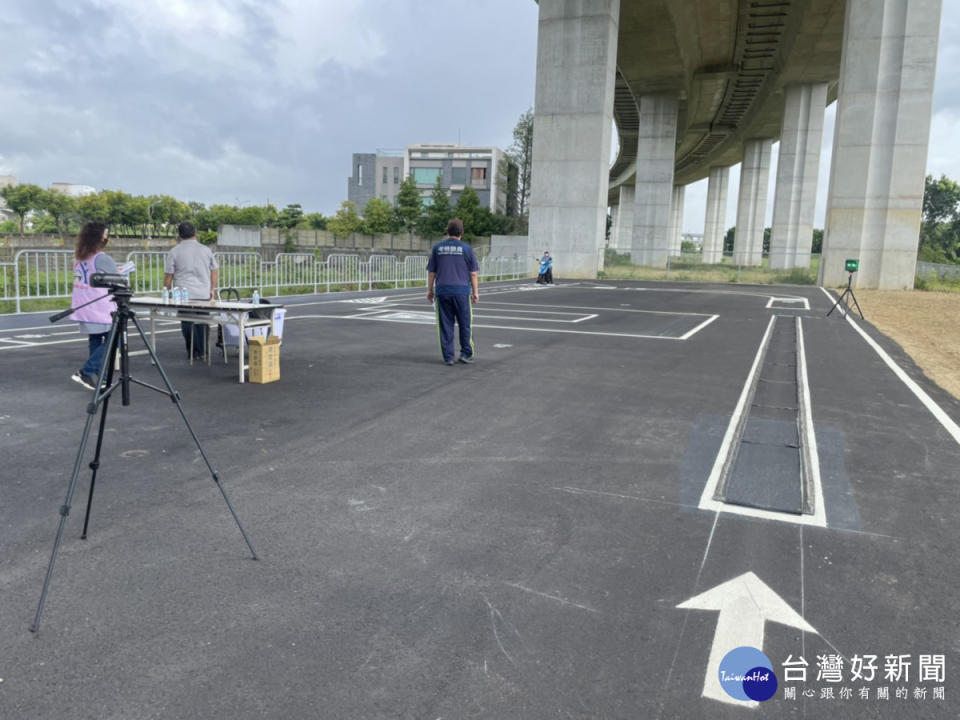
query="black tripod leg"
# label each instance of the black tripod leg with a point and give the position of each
(175, 397)
(71, 488)
(854, 297)
(839, 300)
(106, 375)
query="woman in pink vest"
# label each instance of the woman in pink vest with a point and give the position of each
(94, 319)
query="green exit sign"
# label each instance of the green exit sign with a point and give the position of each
(853, 265)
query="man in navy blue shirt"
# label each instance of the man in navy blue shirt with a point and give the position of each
(452, 273)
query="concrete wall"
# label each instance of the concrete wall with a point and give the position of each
(512, 245)
(272, 242)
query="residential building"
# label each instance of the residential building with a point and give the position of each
(376, 174)
(488, 170)
(72, 189)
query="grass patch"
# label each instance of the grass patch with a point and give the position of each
(932, 283)
(690, 269)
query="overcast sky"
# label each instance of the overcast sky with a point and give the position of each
(243, 102)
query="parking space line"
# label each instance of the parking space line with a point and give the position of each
(699, 327)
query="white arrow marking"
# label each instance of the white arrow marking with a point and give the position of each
(745, 604)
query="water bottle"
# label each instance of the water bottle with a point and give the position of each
(166, 296)
(256, 297)
(175, 294)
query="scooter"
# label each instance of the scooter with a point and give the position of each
(546, 273)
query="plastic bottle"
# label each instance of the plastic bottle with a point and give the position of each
(166, 296)
(256, 297)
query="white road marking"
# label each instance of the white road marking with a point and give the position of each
(707, 501)
(746, 604)
(948, 424)
(78, 339)
(699, 327)
(788, 301)
(809, 439)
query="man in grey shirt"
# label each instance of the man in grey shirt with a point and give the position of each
(192, 266)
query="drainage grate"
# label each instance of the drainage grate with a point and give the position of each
(766, 467)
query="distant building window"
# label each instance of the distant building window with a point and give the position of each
(384, 176)
(459, 176)
(426, 201)
(478, 174)
(396, 176)
(426, 176)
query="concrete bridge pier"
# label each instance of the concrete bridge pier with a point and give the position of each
(576, 65)
(676, 220)
(656, 157)
(884, 109)
(752, 201)
(713, 228)
(622, 230)
(795, 196)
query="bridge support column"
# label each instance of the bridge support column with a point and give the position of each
(713, 228)
(752, 203)
(797, 170)
(622, 229)
(879, 162)
(576, 65)
(676, 220)
(656, 156)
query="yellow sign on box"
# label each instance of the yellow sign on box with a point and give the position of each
(264, 358)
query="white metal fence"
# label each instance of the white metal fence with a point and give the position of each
(48, 274)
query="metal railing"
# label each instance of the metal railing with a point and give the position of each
(48, 274)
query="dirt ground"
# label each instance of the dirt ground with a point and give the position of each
(925, 324)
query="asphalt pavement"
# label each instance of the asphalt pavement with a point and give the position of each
(508, 539)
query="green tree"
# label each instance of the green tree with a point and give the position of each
(409, 205)
(729, 239)
(271, 218)
(22, 199)
(316, 221)
(346, 221)
(468, 209)
(93, 208)
(120, 211)
(250, 215)
(940, 224)
(521, 152)
(817, 246)
(433, 222)
(138, 214)
(290, 216)
(377, 216)
(59, 207)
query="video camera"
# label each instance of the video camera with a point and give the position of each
(110, 281)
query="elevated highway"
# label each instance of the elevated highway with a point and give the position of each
(696, 86)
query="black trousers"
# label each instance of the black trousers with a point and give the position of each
(199, 332)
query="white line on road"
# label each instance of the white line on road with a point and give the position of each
(949, 425)
(707, 500)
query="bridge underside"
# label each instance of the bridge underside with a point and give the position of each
(696, 86)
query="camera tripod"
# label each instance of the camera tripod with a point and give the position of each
(843, 297)
(106, 385)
